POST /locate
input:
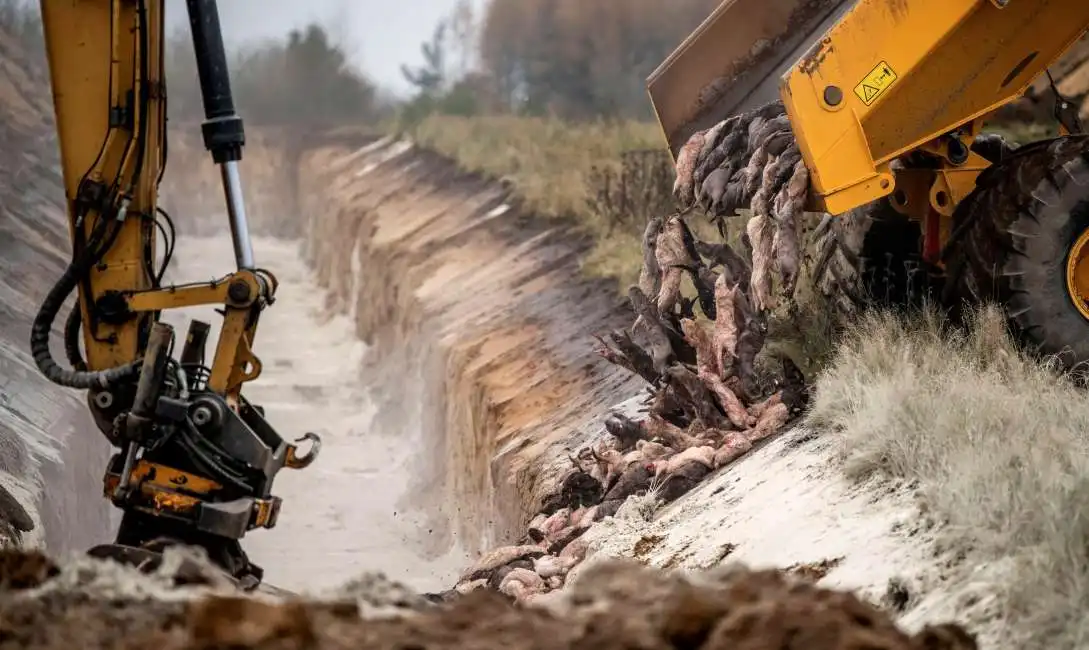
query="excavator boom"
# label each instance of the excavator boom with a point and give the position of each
(196, 460)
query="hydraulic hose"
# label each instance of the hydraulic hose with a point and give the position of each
(43, 326)
(71, 339)
(191, 440)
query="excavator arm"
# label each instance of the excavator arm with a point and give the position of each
(196, 460)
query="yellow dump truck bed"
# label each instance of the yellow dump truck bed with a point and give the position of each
(887, 76)
(734, 60)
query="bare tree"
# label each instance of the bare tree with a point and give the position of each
(430, 79)
(463, 38)
(581, 58)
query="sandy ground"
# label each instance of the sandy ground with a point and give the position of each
(788, 505)
(346, 513)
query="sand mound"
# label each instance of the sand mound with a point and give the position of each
(613, 605)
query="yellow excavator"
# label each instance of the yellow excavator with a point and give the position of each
(196, 461)
(887, 100)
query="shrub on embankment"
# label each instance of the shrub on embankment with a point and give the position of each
(610, 177)
(997, 442)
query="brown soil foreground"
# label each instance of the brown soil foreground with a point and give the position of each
(615, 605)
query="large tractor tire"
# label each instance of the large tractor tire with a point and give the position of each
(871, 257)
(1021, 239)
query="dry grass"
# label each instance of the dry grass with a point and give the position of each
(998, 442)
(1024, 133)
(549, 162)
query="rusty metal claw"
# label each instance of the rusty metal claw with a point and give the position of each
(295, 461)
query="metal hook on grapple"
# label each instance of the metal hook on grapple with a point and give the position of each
(295, 461)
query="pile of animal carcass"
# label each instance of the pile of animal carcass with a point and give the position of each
(706, 406)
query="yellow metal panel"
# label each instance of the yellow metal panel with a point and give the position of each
(170, 477)
(92, 53)
(952, 61)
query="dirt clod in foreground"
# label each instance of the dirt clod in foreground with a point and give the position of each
(612, 605)
(24, 569)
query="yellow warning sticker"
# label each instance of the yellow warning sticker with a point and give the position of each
(875, 83)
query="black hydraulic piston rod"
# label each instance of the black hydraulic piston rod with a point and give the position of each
(224, 135)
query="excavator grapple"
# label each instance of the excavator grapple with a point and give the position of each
(196, 461)
(888, 103)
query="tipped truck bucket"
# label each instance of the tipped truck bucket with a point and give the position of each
(734, 60)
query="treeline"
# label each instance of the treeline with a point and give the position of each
(304, 78)
(581, 58)
(574, 59)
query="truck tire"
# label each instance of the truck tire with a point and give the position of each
(871, 257)
(1012, 240)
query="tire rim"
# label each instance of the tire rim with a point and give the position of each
(1077, 274)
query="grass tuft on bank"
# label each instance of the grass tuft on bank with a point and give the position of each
(579, 171)
(997, 441)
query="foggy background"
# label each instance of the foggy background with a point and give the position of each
(377, 35)
(395, 64)
(369, 60)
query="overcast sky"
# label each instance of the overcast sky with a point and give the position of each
(381, 34)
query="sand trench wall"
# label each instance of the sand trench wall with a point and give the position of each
(51, 454)
(477, 315)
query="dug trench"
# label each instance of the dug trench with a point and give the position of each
(477, 323)
(478, 328)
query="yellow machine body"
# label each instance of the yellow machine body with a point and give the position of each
(908, 73)
(733, 61)
(106, 68)
(81, 37)
(885, 78)
(887, 100)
